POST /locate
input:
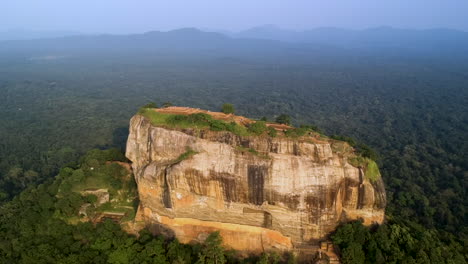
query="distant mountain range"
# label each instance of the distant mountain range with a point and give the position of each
(266, 40)
(373, 37)
(22, 34)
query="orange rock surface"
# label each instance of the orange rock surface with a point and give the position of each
(291, 193)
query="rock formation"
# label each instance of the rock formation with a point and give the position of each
(285, 193)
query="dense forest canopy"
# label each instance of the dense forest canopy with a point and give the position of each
(60, 101)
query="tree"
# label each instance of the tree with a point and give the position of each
(228, 108)
(212, 251)
(283, 119)
(258, 127)
(353, 254)
(150, 105)
(178, 253)
(269, 258)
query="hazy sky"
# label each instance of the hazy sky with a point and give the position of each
(124, 16)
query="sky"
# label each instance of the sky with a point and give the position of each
(135, 16)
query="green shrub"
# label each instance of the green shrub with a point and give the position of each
(237, 129)
(187, 154)
(371, 170)
(91, 198)
(272, 132)
(212, 250)
(296, 132)
(301, 131)
(176, 119)
(217, 125)
(150, 105)
(199, 117)
(258, 127)
(366, 151)
(283, 119)
(193, 120)
(228, 108)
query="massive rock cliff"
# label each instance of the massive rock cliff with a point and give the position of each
(283, 193)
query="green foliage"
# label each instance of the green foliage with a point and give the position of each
(417, 128)
(199, 120)
(32, 230)
(283, 119)
(212, 252)
(187, 154)
(296, 132)
(150, 105)
(371, 169)
(366, 151)
(96, 172)
(360, 148)
(218, 125)
(393, 243)
(179, 253)
(272, 132)
(227, 108)
(269, 258)
(351, 141)
(96, 157)
(258, 127)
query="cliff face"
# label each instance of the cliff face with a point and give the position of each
(286, 193)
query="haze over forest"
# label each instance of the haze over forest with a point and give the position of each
(390, 78)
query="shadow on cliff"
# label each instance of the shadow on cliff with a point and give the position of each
(119, 138)
(159, 229)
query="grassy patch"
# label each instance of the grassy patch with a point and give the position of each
(297, 132)
(187, 154)
(199, 120)
(371, 170)
(258, 127)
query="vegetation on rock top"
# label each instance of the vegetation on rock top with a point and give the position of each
(206, 121)
(364, 158)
